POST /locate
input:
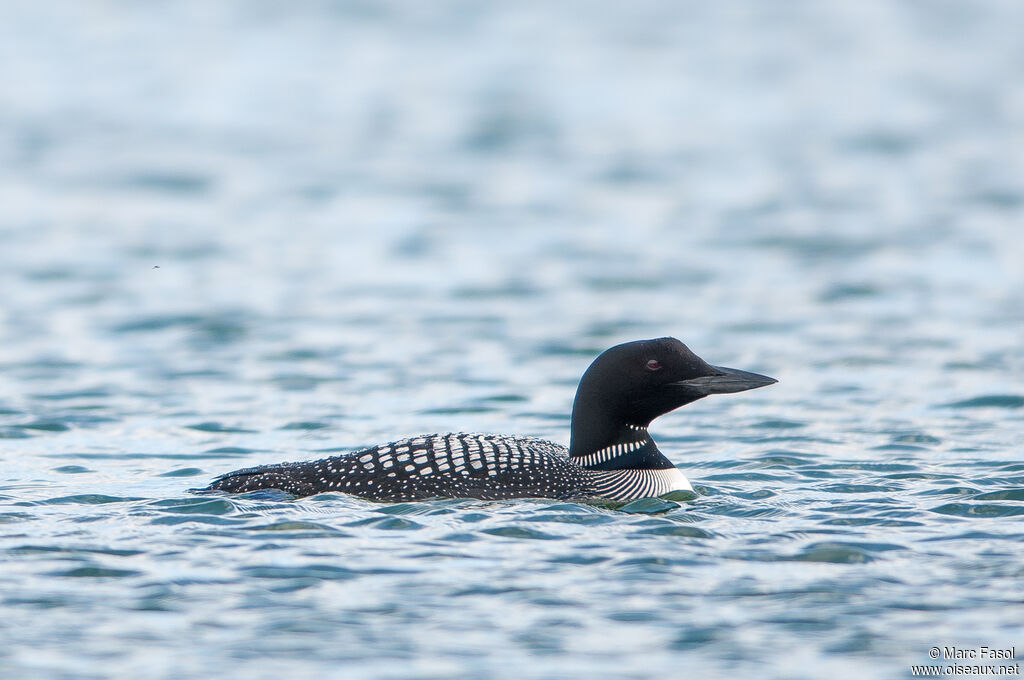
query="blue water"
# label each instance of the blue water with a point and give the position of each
(244, 232)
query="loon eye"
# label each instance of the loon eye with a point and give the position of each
(653, 365)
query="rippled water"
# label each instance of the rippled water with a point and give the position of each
(239, 233)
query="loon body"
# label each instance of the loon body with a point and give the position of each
(610, 454)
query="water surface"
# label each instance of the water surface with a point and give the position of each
(240, 233)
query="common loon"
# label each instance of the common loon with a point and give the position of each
(610, 454)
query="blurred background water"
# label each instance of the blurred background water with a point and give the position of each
(243, 232)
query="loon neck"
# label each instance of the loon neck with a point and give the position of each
(630, 448)
(606, 435)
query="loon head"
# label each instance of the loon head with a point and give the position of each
(633, 383)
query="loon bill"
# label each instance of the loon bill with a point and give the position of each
(610, 454)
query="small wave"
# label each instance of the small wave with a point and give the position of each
(989, 401)
(979, 510)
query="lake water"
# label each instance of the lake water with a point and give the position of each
(244, 232)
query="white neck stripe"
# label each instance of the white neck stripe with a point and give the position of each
(609, 452)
